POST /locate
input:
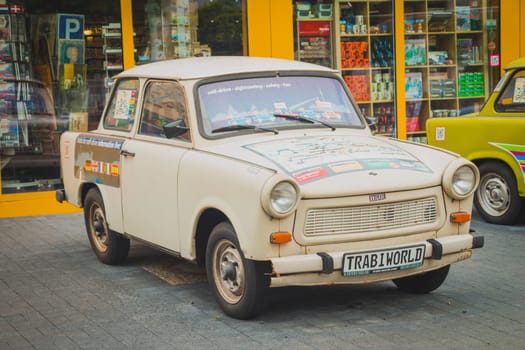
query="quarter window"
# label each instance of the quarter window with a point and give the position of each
(120, 114)
(512, 99)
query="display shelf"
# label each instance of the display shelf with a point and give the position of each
(365, 57)
(444, 41)
(314, 41)
(18, 129)
(112, 51)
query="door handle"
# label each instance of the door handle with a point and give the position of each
(125, 153)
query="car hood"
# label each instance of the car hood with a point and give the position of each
(342, 163)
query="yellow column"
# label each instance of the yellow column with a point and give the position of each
(259, 28)
(400, 70)
(270, 28)
(128, 45)
(511, 31)
(282, 28)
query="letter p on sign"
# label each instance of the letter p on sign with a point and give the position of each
(70, 26)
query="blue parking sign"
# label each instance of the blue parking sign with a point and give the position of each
(70, 26)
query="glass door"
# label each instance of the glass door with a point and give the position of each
(366, 58)
(451, 59)
(314, 32)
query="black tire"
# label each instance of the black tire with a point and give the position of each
(110, 247)
(238, 284)
(423, 283)
(497, 199)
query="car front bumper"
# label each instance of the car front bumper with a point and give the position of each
(326, 268)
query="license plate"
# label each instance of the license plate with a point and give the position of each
(364, 263)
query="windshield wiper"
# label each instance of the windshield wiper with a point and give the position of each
(244, 127)
(303, 119)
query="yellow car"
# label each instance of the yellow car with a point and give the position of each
(493, 139)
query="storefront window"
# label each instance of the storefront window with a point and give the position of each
(51, 80)
(451, 55)
(355, 37)
(57, 60)
(451, 58)
(166, 29)
(314, 32)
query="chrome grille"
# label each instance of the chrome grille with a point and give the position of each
(335, 221)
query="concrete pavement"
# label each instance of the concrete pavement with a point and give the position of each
(54, 294)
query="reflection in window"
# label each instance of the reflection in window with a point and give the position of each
(29, 138)
(166, 29)
(164, 102)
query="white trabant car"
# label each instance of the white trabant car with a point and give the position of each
(265, 172)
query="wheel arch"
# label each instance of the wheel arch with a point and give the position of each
(208, 219)
(112, 203)
(84, 189)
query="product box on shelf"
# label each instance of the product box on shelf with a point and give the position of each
(359, 87)
(463, 18)
(415, 52)
(471, 84)
(413, 111)
(354, 54)
(413, 85)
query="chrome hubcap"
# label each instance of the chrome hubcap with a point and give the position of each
(494, 195)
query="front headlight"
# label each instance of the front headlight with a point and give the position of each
(279, 197)
(460, 179)
(283, 197)
(463, 180)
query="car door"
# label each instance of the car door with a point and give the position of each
(150, 164)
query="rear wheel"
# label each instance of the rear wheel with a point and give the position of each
(238, 284)
(423, 283)
(110, 247)
(497, 199)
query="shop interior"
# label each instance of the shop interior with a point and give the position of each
(57, 60)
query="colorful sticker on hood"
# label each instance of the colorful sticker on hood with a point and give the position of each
(97, 159)
(313, 158)
(517, 151)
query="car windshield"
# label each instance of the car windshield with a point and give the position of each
(275, 103)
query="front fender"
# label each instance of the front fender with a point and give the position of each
(233, 188)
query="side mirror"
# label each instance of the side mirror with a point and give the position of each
(372, 124)
(175, 128)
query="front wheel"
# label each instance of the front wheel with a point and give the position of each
(497, 199)
(238, 284)
(110, 247)
(423, 283)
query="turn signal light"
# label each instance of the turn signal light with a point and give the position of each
(280, 237)
(460, 217)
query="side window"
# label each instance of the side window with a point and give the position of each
(120, 114)
(512, 99)
(164, 102)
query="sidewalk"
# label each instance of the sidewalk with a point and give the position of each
(54, 294)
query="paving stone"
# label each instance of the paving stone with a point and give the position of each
(56, 295)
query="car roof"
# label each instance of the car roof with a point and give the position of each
(518, 63)
(203, 67)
